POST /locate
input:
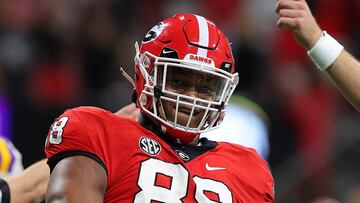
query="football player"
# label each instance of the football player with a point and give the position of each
(30, 185)
(324, 50)
(10, 157)
(184, 77)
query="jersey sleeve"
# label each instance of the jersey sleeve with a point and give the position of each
(71, 134)
(269, 184)
(253, 170)
(269, 188)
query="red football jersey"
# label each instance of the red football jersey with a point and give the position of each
(142, 167)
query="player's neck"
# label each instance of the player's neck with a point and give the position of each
(150, 124)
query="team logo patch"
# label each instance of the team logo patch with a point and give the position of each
(149, 146)
(154, 32)
(182, 155)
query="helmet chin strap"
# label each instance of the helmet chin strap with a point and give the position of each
(127, 76)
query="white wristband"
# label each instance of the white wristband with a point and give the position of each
(325, 51)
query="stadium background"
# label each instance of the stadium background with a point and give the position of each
(61, 54)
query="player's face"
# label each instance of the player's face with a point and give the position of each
(194, 84)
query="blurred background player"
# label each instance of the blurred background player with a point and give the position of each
(327, 54)
(29, 186)
(10, 157)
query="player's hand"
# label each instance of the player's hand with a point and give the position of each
(129, 111)
(296, 15)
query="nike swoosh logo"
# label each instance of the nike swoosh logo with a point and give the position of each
(210, 168)
(167, 52)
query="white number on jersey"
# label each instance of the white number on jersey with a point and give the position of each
(206, 185)
(177, 189)
(147, 179)
(57, 129)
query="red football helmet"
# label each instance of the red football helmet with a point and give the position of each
(184, 76)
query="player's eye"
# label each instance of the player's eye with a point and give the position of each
(177, 82)
(205, 90)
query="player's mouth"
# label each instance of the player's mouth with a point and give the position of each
(187, 111)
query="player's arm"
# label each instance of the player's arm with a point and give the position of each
(77, 179)
(30, 185)
(345, 72)
(344, 69)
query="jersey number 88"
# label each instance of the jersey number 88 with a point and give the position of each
(178, 188)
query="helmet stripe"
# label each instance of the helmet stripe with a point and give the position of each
(203, 35)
